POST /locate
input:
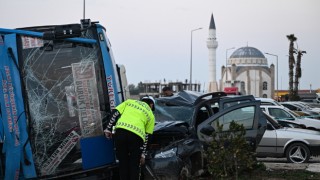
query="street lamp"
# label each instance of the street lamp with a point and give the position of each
(277, 72)
(191, 58)
(227, 62)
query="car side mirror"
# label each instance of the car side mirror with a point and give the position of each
(207, 130)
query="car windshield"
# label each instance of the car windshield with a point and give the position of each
(305, 105)
(165, 112)
(300, 106)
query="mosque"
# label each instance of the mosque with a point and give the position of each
(246, 73)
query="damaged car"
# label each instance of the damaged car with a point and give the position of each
(184, 125)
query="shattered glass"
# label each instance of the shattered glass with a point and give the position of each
(64, 99)
(173, 113)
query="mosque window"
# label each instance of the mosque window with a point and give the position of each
(265, 86)
(242, 85)
(264, 96)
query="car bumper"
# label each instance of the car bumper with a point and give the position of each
(164, 168)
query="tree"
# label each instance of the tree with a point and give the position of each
(228, 154)
(298, 73)
(292, 39)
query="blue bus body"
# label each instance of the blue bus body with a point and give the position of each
(58, 86)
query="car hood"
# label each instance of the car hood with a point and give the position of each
(315, 109)
(167, 125)
(298, 130)
(168, 134)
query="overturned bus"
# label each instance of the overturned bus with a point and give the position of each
(58, 85)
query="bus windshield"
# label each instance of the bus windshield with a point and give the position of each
(64, 89)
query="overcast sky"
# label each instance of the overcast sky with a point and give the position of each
(152, 38)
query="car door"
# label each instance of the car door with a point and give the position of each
(248, 114)
(228, 102)
(268, 143)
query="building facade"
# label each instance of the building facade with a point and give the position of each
(155, 88)
(247, 72)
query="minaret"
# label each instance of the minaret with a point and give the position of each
(212, 45)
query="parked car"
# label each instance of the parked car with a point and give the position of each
(311, 101)
(281, 113)
(313, 107)
(301, 109)
(268, 102)
(272, 102)
(297, 145)
(185, 123)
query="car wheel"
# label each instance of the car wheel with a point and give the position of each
(298, 153)
(185, 173)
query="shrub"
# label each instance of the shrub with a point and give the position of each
(228, 154)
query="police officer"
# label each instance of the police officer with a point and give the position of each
(133, 121)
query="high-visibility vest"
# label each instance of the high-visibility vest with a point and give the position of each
(136, 116)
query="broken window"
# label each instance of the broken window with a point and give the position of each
(63, 83)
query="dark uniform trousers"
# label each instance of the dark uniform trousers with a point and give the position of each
(128, 153)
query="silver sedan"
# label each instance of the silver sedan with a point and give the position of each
(296, 144)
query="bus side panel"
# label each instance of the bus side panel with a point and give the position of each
(110, 68)
(11, 167)
(16, 146)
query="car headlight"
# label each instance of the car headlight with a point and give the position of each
(166, 154)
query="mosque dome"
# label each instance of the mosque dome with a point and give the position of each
(248, 56)
(247, 52)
